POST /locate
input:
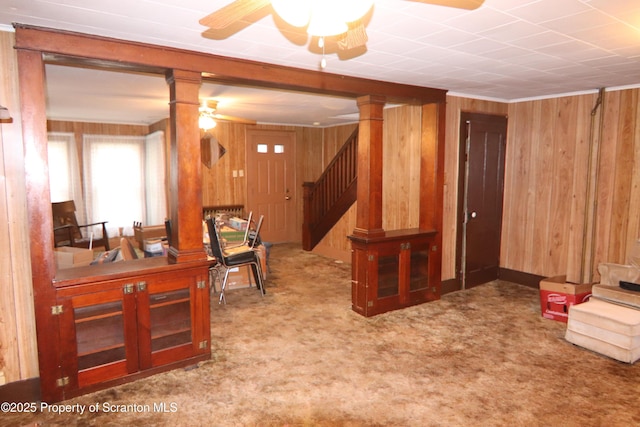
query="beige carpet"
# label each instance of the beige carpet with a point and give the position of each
(301, 357)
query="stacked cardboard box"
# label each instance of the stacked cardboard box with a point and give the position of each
(556, 296)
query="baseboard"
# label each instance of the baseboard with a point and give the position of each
(519, 277)
(21, 391)
(450, 285)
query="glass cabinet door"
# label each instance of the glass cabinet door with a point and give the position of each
(170, 314)
(99, 334)
(419, 270)
(105, 347)
(388, 276)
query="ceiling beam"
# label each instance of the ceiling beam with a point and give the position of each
(124, 54)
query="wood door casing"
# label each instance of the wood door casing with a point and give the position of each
(271, 186)
(483, 138)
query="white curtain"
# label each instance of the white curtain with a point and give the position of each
(124, 180)
(155, 193)
(114, 176)
(64, 172)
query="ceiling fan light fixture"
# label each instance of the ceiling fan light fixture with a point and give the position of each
(352, 10)
(324, 23)
(295, 12)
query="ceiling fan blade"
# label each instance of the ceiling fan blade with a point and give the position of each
(355, 36)
(459, 4)
(232, 13)
(234, 119)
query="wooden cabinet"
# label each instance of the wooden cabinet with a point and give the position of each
(393, 271)
(121, 323)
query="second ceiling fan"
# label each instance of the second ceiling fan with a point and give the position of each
(209, 116)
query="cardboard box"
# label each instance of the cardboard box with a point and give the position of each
(556, 296)
(153, 246)
(239, 277)
(67, 257)
(238, 223)
(148, 232)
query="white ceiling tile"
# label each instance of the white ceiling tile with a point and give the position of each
(479, 20)
(579, 22)
(547, 10)
(506, 49)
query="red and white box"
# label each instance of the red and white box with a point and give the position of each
(556, 296)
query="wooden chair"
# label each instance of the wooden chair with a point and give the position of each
(66, 230)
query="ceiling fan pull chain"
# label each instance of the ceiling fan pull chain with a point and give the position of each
(323, 61)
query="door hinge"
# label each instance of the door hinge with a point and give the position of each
(142, 286)
(128, 288)
(201, 284)
(56, 309)
(434, 248)
(61, 382)
(203, 344)
(370, 258)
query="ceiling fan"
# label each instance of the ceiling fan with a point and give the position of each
(351, 35)
(209, 117)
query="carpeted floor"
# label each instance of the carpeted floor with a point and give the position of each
(301, 357)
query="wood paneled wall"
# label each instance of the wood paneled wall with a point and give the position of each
(18, 350)
(546, 228)
(545, 184)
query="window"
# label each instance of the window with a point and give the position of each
(263, 148)
(278, 148)
(124, 180)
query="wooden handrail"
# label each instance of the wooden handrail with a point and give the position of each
(327, 199)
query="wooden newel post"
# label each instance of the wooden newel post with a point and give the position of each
(369, 210)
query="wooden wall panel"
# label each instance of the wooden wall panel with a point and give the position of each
(546, 195)
(579, 214)
(18, 348)
(401, 171)
(617, 219)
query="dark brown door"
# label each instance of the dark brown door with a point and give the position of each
(271, 187)
(483, 138)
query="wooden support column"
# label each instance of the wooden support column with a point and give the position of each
(186, 168)
(34, 136)
(369, 209)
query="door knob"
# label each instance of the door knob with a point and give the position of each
(287, 197)
(474, 214)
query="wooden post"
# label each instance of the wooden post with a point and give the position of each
(186, 168)
(369, 210)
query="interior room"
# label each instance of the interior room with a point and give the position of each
(482, 147)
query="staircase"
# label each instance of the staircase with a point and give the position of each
(329, 198)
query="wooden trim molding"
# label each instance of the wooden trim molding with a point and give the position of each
(526, 279)
(21, 391)
(520, 277)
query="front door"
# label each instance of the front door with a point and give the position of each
(483, 138)
(271, 186)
